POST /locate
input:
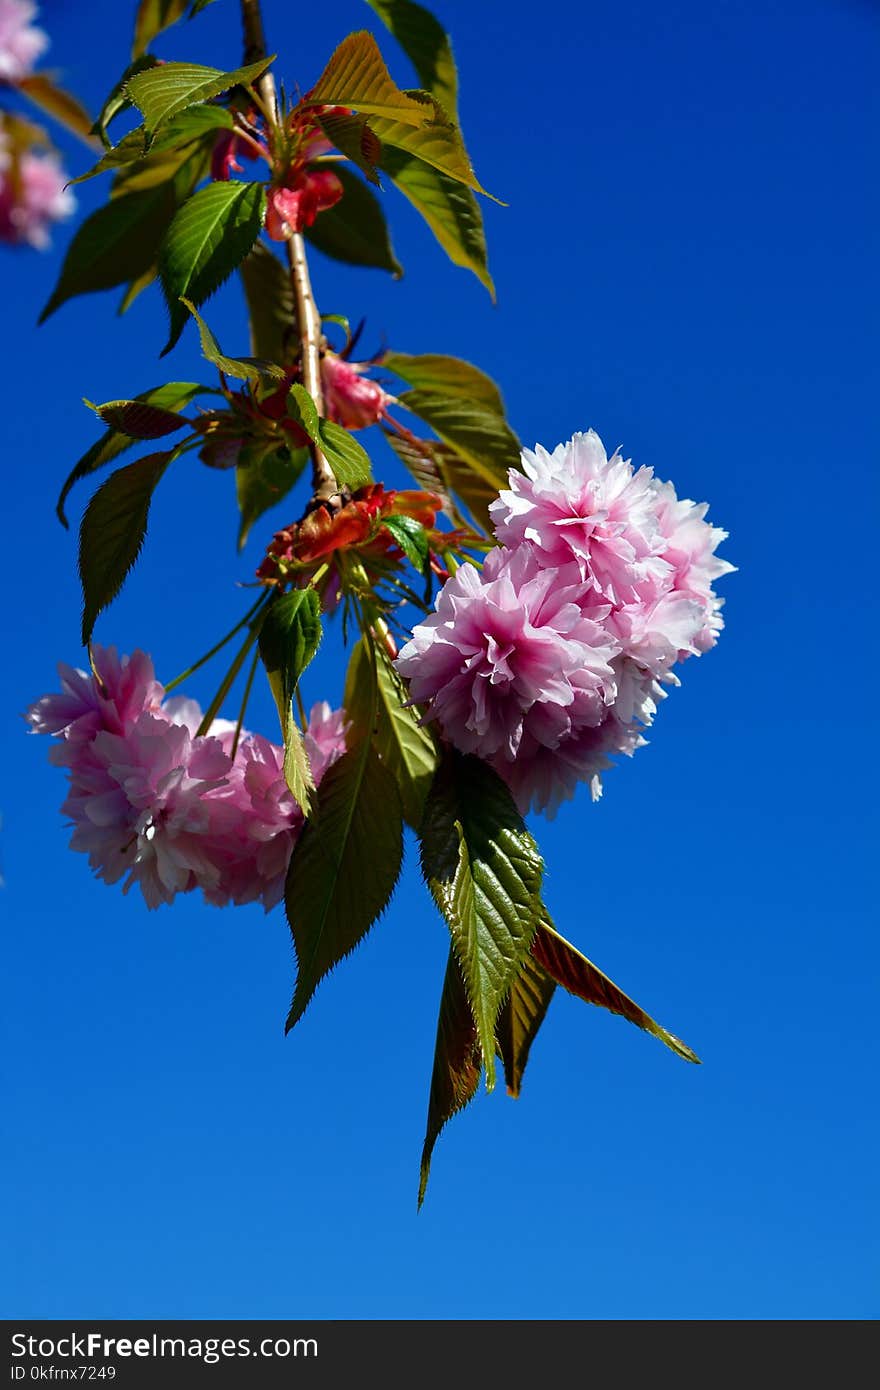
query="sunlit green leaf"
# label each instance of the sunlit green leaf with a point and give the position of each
(356, 76)
(522, 1014)
(484, 872)
(405, 745)
(426, 44)
(162, 91)
(241, 368)
(118, 99)
(449, 208)
(153, 16)
(207, 240)
(344, 866)
(186, 129)
(450, 376)
(479, 435)
(112, 532)
(412, 538)
(348, 459)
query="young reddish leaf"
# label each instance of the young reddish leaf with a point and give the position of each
(565, 964)
(118, 243)
(354, 230)
(175, 395)
(112, 533)
(344, 867)
(522, 1014)
(140, 419)
(449, 208)
(426, 44)
(161, 92)
(484, 872)
(208, 239)
(457, 1064)
(353, 137)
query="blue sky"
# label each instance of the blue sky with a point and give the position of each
(688, 265)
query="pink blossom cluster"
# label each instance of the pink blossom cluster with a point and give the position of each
(553, 656)
(32, 195)
(154, 803)
(20, 43)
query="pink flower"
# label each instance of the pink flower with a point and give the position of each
(290, 209)
(228, 149)
(510, 652)
(160, 806)
(350, 398)
(689, 549)
(578, 505)
(542, 778)
(32, 195)
(20, 44)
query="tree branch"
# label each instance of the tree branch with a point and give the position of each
(324, 485)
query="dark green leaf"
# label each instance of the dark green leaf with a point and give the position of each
(289, 637)
(449, 208)
(456, 1074)
(480, 436)
(412, 538)
(265, 474)
(484, 872)
(348, 459)
(139, 419)
(241, 368)
(43, 92)
(175, 395)
(450, 376)
(344, 866)
(405, 746)
(112, 533)
(565, 964)
(118, 243)
(271, 311)
(426, 44)
(208, 239)
(161, 92)
(354, 230)
(522, 1014)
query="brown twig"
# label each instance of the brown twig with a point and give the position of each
(324, 485)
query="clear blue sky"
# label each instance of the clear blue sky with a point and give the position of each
(687, 264)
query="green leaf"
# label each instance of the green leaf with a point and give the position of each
(412, 538)
(153, 16)
(161, 92)
(449, 208)
(265, 474)
(289, 637)
(426, 44)
(344, 867)
(522, 1014)
(175, 395)
(484, 872)
(140, 419)
(186, 129)
(457, 1063)
(356, 76)
(348, 459)
(304, 410)
(353, 137)
(43, 92)
(480, 436)
(136, 287)
(112, 533)
(376, 699)
(450, 376)
(565, 964)
(241, 368)
(118, 243)
(208, 239)
(119, 100)
(271, 312)
(437, 144)
(354, 230)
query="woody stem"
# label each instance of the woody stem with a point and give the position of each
(308, 321)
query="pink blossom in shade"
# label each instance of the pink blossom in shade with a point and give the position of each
(541, 778)
(32, 198)
(350, 398)
(228, 149)
(509, 652)
(21, 44)
(577, 505)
